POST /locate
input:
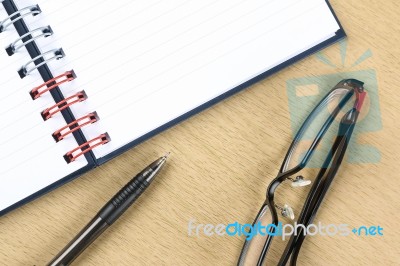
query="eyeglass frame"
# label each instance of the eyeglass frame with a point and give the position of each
(309, 210)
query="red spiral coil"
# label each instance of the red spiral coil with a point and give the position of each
(64, 104)
(74, 126)
(51, 84)
(86, 147)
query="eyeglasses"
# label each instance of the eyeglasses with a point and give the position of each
(347, 96)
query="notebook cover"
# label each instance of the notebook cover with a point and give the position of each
(46, 74)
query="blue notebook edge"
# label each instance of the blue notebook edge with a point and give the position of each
(340, 34)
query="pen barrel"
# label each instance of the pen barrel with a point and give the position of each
(74, 248)
(126, 197)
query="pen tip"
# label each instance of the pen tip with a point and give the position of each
(167, 154)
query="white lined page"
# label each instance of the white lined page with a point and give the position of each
(144, 63)
(30, 160)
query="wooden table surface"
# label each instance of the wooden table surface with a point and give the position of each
(223, 159)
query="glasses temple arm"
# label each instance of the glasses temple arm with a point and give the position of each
(341, 143)
(302, 217)
(321, 195)
(317, 193)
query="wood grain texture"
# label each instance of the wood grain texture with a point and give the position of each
(221, 163)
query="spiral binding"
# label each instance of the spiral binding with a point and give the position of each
(20, 14)
(53, 83)
(57, 54)
(86, 147)
(44, 33)
(64, 104)
(74, 126)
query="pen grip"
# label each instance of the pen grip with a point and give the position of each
(126, 197)
(77, 245)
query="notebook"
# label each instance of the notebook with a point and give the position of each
(83, 81)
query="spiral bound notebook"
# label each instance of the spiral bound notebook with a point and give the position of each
(83, 81)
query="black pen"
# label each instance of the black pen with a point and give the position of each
(109, 213)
